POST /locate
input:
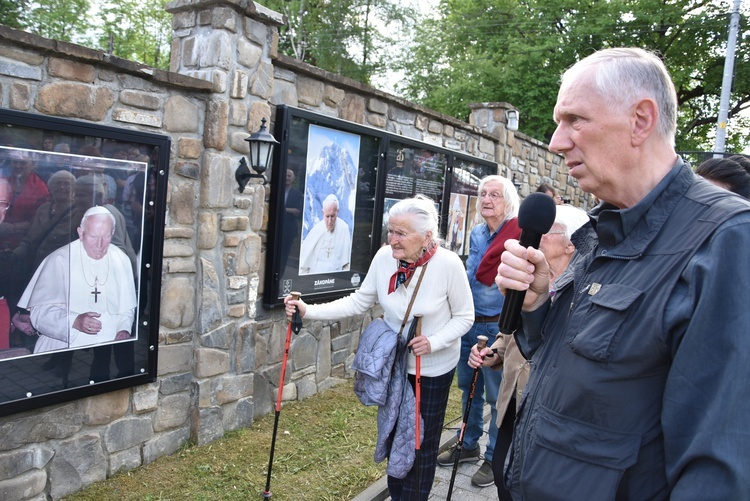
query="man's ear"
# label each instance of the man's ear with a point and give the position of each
(644, 119)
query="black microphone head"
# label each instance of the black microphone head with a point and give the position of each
(537, 213)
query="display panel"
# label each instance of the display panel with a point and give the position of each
(81, 230)
(412, 168)
(320, 240)
(327, 169)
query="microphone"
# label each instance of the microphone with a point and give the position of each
(535, 218)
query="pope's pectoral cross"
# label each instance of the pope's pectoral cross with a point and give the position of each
(95, 293)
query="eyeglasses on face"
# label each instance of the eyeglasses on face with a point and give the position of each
(4, 206)
(493, 195)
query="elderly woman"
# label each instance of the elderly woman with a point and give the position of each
(413, 255)
(497, 204)
(559, 249)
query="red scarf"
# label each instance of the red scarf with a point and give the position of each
(406, 270)
(487, 269)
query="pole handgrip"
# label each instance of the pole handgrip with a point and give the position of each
(482, 342)
(296, 320)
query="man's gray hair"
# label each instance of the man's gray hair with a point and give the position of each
(625, 75)
(61, 175)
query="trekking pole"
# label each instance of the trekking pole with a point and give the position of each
(295, 324)
(418, 418)
(481, 343)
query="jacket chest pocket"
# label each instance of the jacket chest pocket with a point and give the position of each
(599, 317)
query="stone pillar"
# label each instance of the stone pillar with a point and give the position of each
(231, 44)
(491, 117)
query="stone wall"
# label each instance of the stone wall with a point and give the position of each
(220, 351)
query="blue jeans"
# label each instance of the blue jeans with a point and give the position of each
(488, 383)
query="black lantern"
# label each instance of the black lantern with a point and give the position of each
(517, 183)
(261, 152)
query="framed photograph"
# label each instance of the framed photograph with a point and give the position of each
(329, 201)
(321, 224)
(81, 228)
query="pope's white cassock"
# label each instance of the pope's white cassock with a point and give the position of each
(323, 251)
(68, 283)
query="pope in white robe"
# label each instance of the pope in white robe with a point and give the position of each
(327, 247)
(83, 293)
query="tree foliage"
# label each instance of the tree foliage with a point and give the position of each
(515, 51)
(64, 20)
(141, 31)
(11, 12)
(354, 38)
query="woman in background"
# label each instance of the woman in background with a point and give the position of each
(731, 173)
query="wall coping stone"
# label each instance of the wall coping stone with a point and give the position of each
(75, 52)
(248, 7)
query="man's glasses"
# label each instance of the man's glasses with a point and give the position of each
(4, 206)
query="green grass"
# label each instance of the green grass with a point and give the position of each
(324, 450)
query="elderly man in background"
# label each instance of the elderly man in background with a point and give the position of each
(638, 388)
(327, 248)
(83, 293)
(55, 213)
(497, 205)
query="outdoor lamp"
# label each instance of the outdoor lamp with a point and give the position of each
(261, 152)
(516, 183)
(512, 116)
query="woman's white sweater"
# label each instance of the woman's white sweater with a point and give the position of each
(444, 299)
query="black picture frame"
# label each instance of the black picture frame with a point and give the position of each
(122, 171)
(383, 169)
(354, 152)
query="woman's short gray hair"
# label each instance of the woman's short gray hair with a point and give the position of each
(423, 214)
(570, 218)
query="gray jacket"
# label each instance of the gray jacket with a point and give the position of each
(374, 362)
(399, 411)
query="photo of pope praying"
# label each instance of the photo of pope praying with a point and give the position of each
(327, 247)
(83, 293)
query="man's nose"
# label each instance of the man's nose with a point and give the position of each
(560, 140)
